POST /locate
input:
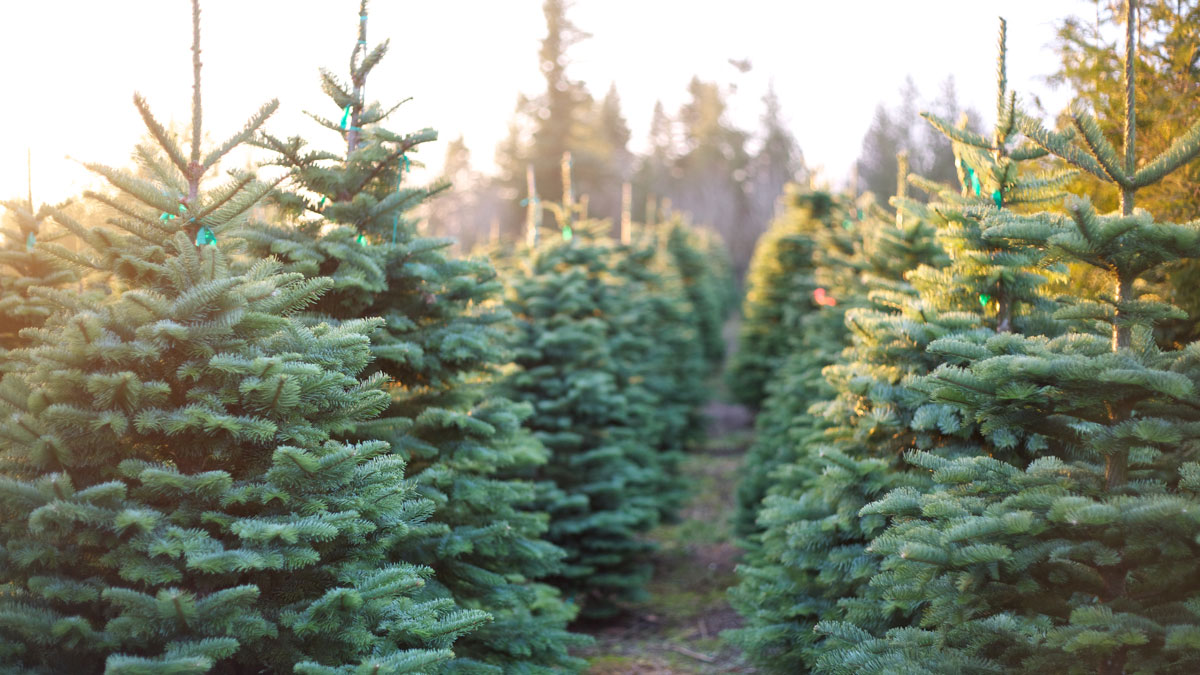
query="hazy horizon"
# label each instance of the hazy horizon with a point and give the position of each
(465, 62)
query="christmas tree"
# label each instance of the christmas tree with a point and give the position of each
(174, 498)
(25, 267)
(779, 291)
(703, 265)
(814, 340)
(814, 532)
(657, 347)
(607, 478)
(465, 448)
(1064, 544)
(804, 539)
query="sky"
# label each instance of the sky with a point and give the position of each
(70, 67)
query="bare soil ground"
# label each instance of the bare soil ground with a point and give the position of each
(677, 630)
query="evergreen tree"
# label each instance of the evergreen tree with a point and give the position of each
(652, 180)
(609, 352)
(565, 118)
(1166, 64)
(777, 162)
(173, 498)
(25, 267)
(816, 553)
(465, 449)
(713, 170)
(703, 265)
(606, 478)
(810, 342)
(779, 291)
(1065, 543)
(805, 540)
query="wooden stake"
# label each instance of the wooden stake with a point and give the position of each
(626, 213)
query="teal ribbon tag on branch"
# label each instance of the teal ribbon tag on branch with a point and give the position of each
(975, 184)
(345, 117)
(30, 241)
(998, 198)
(167, 216)
(567, 233)
(361, 239)
(205, 237)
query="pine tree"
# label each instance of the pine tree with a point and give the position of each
(607, 353)
(703, 265)
(779, 291)
(173, 498)
(465, 448)
(806, 474)
(815, 532)
(606, 477)
(25, 267)
(1066, 543)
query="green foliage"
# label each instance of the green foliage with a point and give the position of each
(465, 449)
(1165, 66)
(24, 267)
(1064, 542)
(779, 292)
(906, 295)
(608, 351)
(705, 272)
(174, 495)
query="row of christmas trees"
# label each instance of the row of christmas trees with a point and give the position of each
(258, 426)
(975, 453)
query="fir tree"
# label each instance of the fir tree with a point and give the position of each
(779, 291)
(805, 344)
(173, 497)
(1065, 544)
(465, 449)
(26, 267)
(593, 360)
(705, 272)
(814, 534)
(805, 539)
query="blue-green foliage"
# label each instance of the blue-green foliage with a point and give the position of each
(173, 494)
(25, 267)
(811, 232)
(608, 351)
(704, 269)
(465, 448)
(779, 293)
(818, 541)
(1061, 537)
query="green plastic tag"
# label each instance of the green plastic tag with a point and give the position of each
(998, 198)
(362, 240)
(984, 299)
(30, 241)
(567, 233)
(205, 237)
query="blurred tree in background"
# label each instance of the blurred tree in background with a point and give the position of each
(901, 129)
(697, 161)
(1168, 62)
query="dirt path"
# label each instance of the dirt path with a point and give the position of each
(677, 629)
